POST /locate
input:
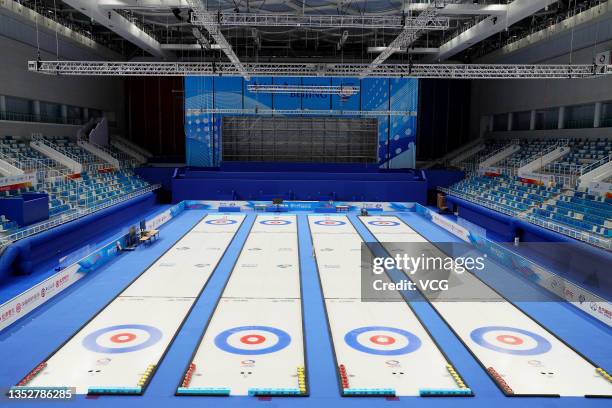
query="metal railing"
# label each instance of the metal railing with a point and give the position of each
(125, 160)
(82, 192)
(469, 168)
(590, 167)
(566, 174)
(480, 201)
(584, 236)
(44, 168)
(30, 117)
(115, 139)
(38, 228)
(512, 142)
(130, 161)
(563, 168)
(11, 160)
(96, 167)
(508, 170)
(549, 149)
(448, 158)
(42, 140)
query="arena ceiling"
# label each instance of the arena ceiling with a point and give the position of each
(165, 30)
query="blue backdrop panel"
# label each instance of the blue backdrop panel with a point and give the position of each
(199, 127)
(257, 100)
(287, 101)
(228, 93)
(346, 101)
(375, 94)
(315, 100)
(396, 134)
(375, 97)
(402, 135)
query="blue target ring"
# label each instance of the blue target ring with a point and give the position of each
(413, 341)
(91, 341)
(330, 223)
(275, 222)
(221, 222)
(384, 223)
(542, 346)
(284, 339)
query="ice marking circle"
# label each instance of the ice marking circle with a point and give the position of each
(221, 221)
(123, 338)
(384, 223)
(275, 222)
(252, 340)
(330, 223)
(382, 340)
(510, 340)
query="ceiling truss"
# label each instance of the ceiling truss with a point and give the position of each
(207, 20)
(301, 112)
(346, 90)
(403, 40)
(324, 20)
(450, 71)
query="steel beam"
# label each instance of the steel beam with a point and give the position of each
(301, 112)
(323, 21)
(188, 47)
(465, 9)
(517, 10)
(121, 26)
(450, 71)
(304, 89)
(403, 40)
(141, 4)
(416, 50)
(209, 22)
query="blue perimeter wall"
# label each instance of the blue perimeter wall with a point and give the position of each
(396, 133)
(295, 182)
(23, 256)
(165, 176)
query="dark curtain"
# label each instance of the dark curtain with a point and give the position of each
(444, 117)
(155, 117)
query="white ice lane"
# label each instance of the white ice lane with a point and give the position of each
(118, 350)
(381, 348)
(520, 355)
(254, 342)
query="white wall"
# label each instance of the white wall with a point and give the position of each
(106, 94)
(502, 96)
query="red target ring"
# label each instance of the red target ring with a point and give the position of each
(123, 337)
(384, 223)
(221, 221)
(509, 339)
(275, 222)
(252, 339)
(330, 223)
(382, 340)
